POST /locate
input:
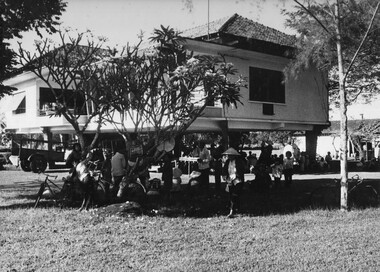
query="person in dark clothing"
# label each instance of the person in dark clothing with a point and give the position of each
(216, 157)
(106, 167)
(167, 175)
(233, 174)
(75, 156)
(204, 167)
(266, 154)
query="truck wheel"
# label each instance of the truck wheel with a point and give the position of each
(25, 165)
(38, 164)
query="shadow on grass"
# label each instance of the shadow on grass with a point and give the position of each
(280, 200)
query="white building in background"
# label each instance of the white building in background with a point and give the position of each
(258, 52)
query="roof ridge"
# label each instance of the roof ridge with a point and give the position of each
(243, 27)
(265, 26)
(227, 18)
(233, 17)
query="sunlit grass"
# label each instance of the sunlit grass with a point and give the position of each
(281, 235)
(56, 239)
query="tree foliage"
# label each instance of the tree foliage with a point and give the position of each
(23, 15)
(154, 89)
(74, 75)
(149, 90)
(316, 22)
(339, 34)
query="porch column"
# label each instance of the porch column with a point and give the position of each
(225, 134)
(177, 146)
(48, 136)
(311, 144)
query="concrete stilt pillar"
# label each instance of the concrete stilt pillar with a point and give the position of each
(225, 135)
(48, 136)
(311, 144)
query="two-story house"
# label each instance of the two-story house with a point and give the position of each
(258, 52)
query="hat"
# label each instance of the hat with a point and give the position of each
(231, 151)
(167, 145)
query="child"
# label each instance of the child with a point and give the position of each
(277, 169)
(288, 168)
(177, 173)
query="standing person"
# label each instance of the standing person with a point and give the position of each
(252, 161)
(75, 156)
(204, 166)
(277, 169)
(233, 174)
(195, 150)
(167, 175)
(328, 160)
(288, 168)
(134, 150)
(216, 155)
(266, 154)
(118, 168)
(302, 162)
(106, 170)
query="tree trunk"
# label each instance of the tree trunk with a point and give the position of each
(81, 140)
(343, 116)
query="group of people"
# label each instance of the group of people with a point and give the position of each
(128, 161)
(114, 166)
(228, 165)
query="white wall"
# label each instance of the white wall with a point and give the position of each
(306, 99)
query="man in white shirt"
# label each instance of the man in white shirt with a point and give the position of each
(204, 166)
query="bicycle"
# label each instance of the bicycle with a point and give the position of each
(48, 186)
(101, 184)
(359, 194)
(131, 188)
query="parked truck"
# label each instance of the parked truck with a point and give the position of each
(35, 155)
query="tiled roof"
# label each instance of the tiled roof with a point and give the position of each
(242, 27)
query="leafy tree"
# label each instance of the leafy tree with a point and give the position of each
(365, 131)
(23, 15)
(74, 75)
(153, 89)
(280, 137)
(338, 34)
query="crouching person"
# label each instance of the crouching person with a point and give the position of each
(233, 174)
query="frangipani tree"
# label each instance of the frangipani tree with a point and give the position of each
(73, 73)
(153, 90)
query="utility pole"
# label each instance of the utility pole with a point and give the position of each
(343, 114)
(208, 19)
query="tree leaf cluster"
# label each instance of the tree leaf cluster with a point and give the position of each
(158, 90)
(316, 22)
(156, 87)
(23, 15)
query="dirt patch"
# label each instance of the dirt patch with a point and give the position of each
(127, 209)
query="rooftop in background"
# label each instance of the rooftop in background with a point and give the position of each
(239, 26)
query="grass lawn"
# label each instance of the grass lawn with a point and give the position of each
(276, 232)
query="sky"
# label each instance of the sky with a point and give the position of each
(122, 20)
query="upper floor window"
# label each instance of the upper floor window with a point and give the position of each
(75, 101)
(21, 105)
(266, 85)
